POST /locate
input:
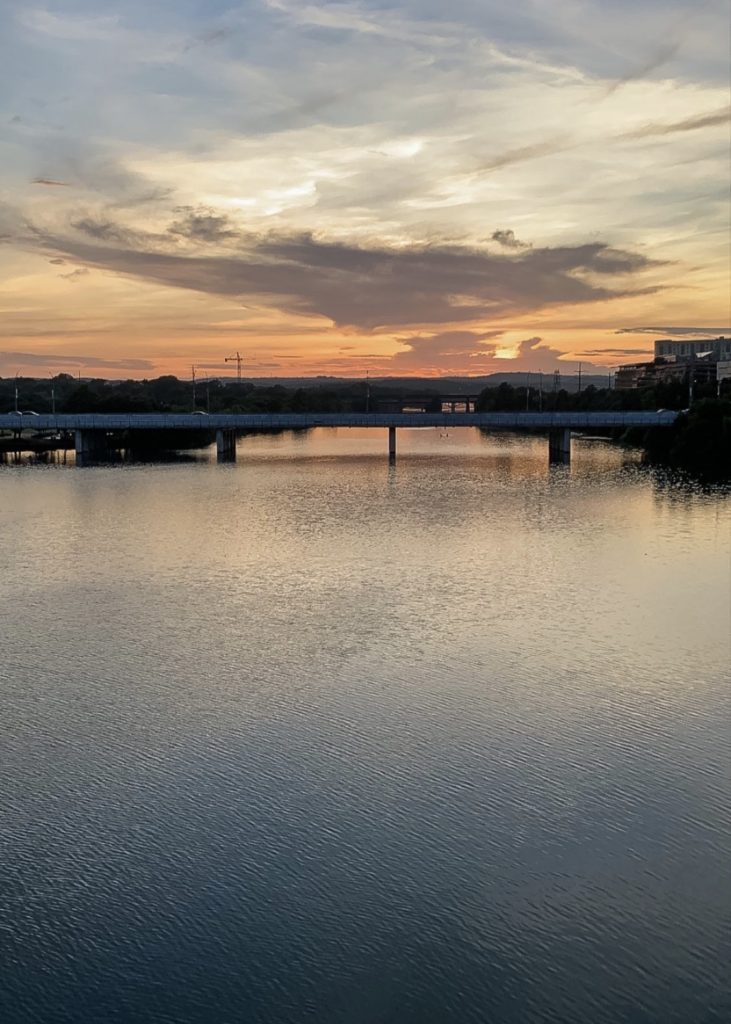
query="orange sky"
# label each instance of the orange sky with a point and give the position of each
(341, 188)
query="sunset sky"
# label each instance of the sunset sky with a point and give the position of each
(403, 187)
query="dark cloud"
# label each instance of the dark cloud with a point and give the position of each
(75, 274)
(507, 238)
(201, 225)
(370, 288)
(615, 352)
(103, 230)
(50, 182)
(91, 362)
(680, 332)
(57, 260)
(689, 124)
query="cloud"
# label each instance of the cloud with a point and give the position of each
(202, 225)
(378, 286)
(471, 352)
(81, 361)
(603, 352)
(50, 182)
(661, 55)
(508, 239)
(75, 274)
(533, 355)
(102, 230)
(521, 154)
(688, 124)
(209, 38)
(445, 350)
(672, 332)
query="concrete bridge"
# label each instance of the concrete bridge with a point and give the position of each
(95, 433)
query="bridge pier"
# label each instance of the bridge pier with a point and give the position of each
(91, 446)
(392, 444)
(226, 445)
(559, 446)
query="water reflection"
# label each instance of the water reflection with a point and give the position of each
(316, 737)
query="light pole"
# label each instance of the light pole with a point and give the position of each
(16, 390)
(368, 391)
(53, 395)
(192, 371)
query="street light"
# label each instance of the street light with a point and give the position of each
(208, 389)
(16, 390)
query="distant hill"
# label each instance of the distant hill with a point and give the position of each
(448, 385)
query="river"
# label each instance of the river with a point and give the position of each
(314, 738)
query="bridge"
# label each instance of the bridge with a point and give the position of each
(98, 434)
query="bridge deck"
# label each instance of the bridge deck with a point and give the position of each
(298, 421)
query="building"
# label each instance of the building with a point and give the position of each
(634, 375)
(695, 362)
(719, 348)
(723, 370)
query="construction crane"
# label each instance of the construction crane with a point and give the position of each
(235, 359)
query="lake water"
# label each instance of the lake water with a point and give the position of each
(312, 738)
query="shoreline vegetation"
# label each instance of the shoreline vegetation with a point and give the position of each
(699, 442)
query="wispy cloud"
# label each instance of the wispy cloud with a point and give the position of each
(53, 359)
(604, 352)
(687, 124)
(50, 182)
(672, 332)
(661, 55)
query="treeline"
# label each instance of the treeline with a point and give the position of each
(170, 394)
(699, 441)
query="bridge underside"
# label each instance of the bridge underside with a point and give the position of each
(95, 446)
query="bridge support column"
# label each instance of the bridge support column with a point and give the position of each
(226, 445)
(91, 446)
(559, 446)
(391, 444)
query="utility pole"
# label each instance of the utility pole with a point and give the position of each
(53, 396)
(556, 381)
(192, 370)
(16, 390)
(235, 359)
(368, 391)
(527, 391)
(540, 392)
(579, 391)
